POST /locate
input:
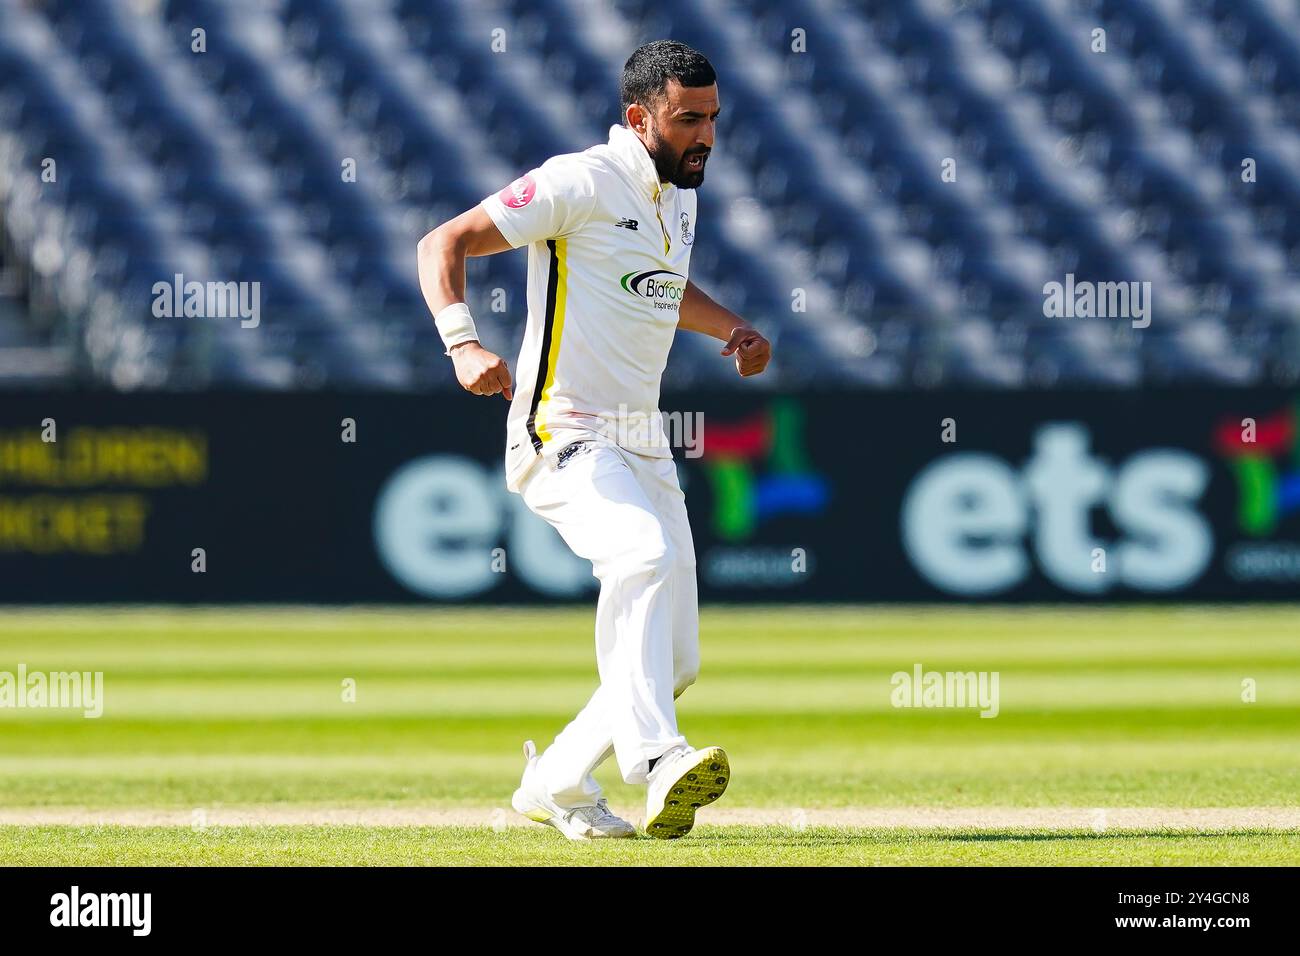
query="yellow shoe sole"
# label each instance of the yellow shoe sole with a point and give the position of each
(701, 783)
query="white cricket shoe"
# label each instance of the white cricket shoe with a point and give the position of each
(682, 782)
(577, 823)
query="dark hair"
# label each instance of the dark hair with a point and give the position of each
(648, 70)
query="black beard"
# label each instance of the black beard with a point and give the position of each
(671, 167)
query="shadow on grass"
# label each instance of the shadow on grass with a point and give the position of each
(1010, 835)
(830, 837)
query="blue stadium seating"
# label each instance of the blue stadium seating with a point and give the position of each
(228, 165)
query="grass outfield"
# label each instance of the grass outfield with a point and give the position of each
(210, 711)
(706, 846)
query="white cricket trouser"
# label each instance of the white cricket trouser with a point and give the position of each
(627, 515)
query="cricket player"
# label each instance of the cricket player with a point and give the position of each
(609, 233)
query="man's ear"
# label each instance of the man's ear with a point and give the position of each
(638, 118)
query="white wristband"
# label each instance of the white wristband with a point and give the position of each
(455, 325)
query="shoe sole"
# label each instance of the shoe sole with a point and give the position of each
(700, 784)
(535, 813)
(542, 815)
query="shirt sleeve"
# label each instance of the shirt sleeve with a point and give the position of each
(548, 202)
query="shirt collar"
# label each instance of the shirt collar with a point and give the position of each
(627, 146)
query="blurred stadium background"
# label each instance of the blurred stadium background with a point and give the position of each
(894, 184)
(225, 165)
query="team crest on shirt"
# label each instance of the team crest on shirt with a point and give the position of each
(519, 193)
(687, 236)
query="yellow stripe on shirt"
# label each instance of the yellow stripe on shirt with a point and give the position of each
(557, 331)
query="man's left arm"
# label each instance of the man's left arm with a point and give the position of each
(698, 313)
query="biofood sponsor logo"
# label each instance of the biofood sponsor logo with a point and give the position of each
(663, 288)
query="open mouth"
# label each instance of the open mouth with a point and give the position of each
(695, 162)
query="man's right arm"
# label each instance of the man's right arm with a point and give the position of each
(441, 262)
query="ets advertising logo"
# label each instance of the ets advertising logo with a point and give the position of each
(975, 525)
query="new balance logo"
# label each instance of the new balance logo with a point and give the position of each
(626, 224)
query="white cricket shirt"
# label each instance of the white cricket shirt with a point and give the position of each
(609, 247)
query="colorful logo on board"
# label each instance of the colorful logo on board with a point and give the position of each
(1264, 455)
(758, 469)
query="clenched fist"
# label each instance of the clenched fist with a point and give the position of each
(480, 372)
(752, 350)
